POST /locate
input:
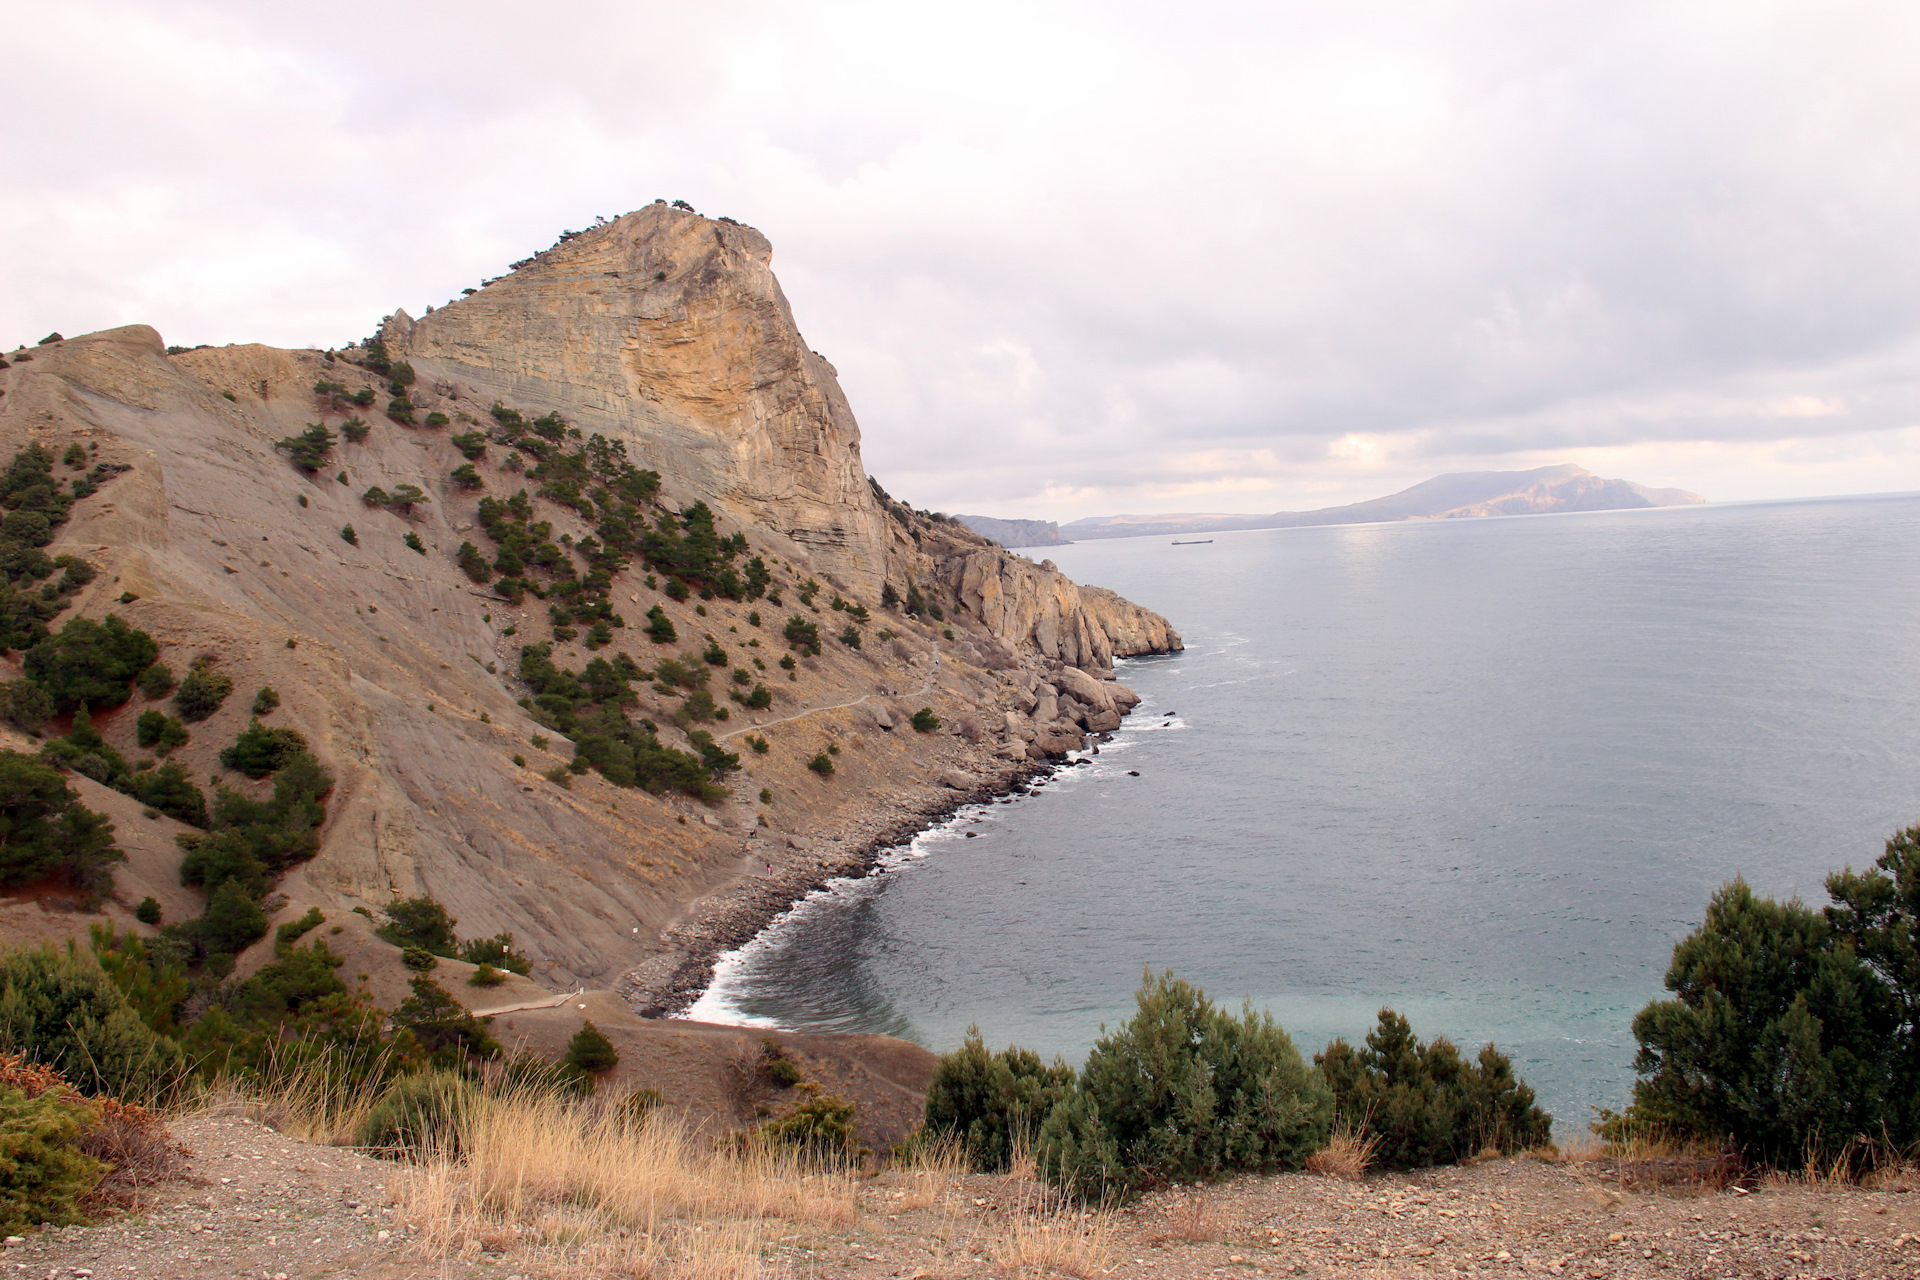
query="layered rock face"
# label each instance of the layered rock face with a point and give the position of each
(664, 331)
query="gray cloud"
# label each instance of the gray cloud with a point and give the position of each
(1070, 259)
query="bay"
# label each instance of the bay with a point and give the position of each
(1485, 772)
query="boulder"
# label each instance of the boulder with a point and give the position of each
(1103, 721)
(959, 780)
(1097, 694)
(1048, 707)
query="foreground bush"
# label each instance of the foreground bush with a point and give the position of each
(60, 1010)
(419, 1115)
(993, 1104)
(47, 831)
(1184, 1092)
(1791, 1033)
(1426, 1105)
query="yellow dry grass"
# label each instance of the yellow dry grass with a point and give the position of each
(1060, 1240)
(1348, 1154)
(577, 1188)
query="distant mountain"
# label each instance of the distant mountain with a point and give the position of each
(1462, 495)
(1017, 533)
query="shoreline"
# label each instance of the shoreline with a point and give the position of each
(681, 968)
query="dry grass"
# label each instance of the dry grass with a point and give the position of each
(581, 1188)
(1057, 1241)
(1347, 1155)
(933, 1172)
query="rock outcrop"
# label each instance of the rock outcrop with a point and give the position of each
(667, 333)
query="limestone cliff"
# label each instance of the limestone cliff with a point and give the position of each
(663, 331)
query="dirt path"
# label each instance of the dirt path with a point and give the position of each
(932, 673)
(264, 1205)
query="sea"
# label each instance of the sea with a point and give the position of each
(1483, 772)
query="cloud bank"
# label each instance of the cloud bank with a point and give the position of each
(1069, 259)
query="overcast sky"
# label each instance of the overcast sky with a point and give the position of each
(1069, 259)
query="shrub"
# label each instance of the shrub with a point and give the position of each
(355, 428)
(48, 831)
(821, 1125)
(44, 1176)
(308, 451)
(850, 637)
(156, 681)
(803, 636)
(438, 419)
(471, 444)
(993, 1103)
(202, 692)
(472, 563)
(660, 626)
(293, 930)
(233, 920)
(486, 976)
(496, 951)
(90, 663)
(590, 1051)
(157, 729)
(417, 960)
(676, 589)
(171, 791)
(148, 912)
(420, 922)
(781, 1069)
(414, 544)
(925, 721)
(347, 534)
(419, 1115)
(442, 1026)
(266, 700)
(466, 477)
(1187, 1092)
(1781, 1038)
(26, 706)
(821, 764)
(61, 1010)
(400, 409)
(1425, 1104)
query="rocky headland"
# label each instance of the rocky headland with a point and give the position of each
(398, 652)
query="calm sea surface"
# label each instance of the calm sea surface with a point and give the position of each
(1485, 772)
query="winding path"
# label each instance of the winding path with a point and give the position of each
(932, 672)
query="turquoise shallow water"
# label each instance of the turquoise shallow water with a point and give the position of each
(1483, 771)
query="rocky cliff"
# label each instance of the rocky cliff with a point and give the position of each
(666, 334)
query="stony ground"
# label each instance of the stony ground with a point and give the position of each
(262, 1205)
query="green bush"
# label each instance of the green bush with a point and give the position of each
(441, 1025)
(308, 451)
(148, 912)
(347, 534)
(170, 789)
(202, 692)
(486, 976)
(418, 960)
(259, 751)
(90, 663)
(925, 721)
(266, 700)
(1425, 1104)
(44, 1175)
(414, 544)
(421, 922)
(285, 935)
(472, 563)
(590, 1051)
(1791, 1033)
(355, 428)
(157, 730)
(466, 477)
(821, 764)
(496, 951)
(156, 682)
(993, 1103)
(26, 706)
(821, 1125)
(48, 831)
(60, 1009)
(1184, 1092)
(437, 419)
(802, 635)
(660, 626)
(419, 1116)
(850, 637)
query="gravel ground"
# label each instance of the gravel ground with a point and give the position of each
(262, 1205)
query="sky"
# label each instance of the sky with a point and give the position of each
(1069, 259)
